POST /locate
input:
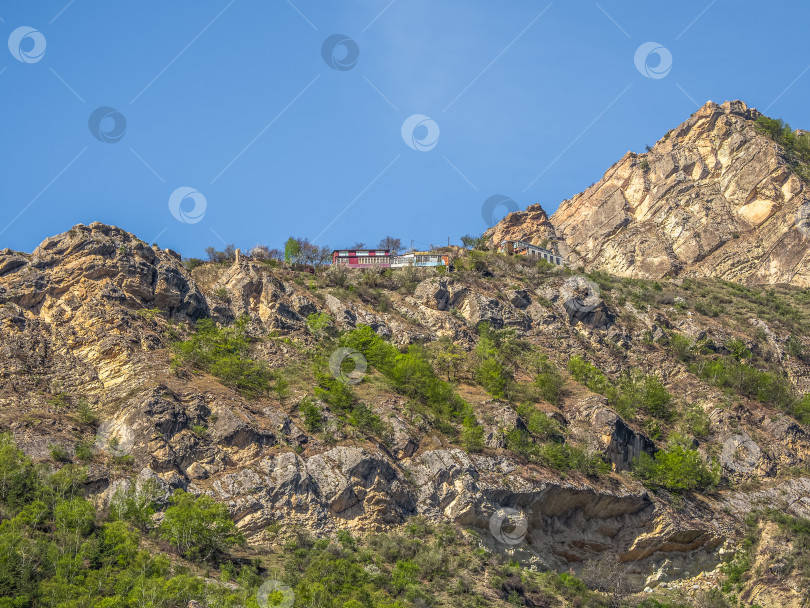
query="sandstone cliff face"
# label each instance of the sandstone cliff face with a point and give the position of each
(88, 314)
(712, 198)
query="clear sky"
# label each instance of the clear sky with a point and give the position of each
(276, 127)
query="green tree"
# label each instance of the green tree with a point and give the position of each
(292, 250)
(678, 468)
(199, 528)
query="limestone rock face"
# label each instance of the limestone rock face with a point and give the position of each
(532, 226)
(714, 197)
(91, 314)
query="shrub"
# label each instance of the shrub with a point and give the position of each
(410, 373)
(58, 453)
(198, 527)
(341, 397)
(472, 435)
(86, 413)
(492, 376)
(681, 346)
(588, 374)
(548, 381)
(633, 391)
(17, 475)
(313, 418)
(677, 469)
(696, 421)
(223, 352)
(319, 324)
(136, 504)
(636, 391)
(84, 450)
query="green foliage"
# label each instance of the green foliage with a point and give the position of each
(84, 450)
(319, 324)
(136, 504)
(224, 353)
(475, 242)
(200, 528)
(313, 418)
(797, 147)
(149, 314)
(794, 347)
(59, 453)
(86, 413)
(492, 376)
(410, 373)
(633, 391)
(555, 455)
(18, 476)
(801, 410)
(472, 435)
(199, 430)
(678, 468)
(191, 263)
(636, 391)
(54, 550)
(747, 380)
(588, 374)
(548, 381)
(343, 402)
(696, 421)
(681, 346)
(738, 349)
(539, 424)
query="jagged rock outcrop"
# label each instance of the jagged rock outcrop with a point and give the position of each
(92, 313)
(532, 226)
(713, 197)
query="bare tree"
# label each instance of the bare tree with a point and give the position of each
(392, 243)
(609, 576)
(228, 255)
(298, 251)
(263, 252)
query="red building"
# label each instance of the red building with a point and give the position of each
(362, 258)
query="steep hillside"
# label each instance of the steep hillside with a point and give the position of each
(715, 197)
(485, 437)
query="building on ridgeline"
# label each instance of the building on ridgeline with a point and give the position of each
(529, 250)
(419, 258)
(362, 258)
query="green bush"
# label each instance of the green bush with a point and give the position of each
(677, 469)
(200, 528)
(548, 381)
(343, 402)
(632, 392)
(636, 391)
(493, 377)
(472, 435)
(588, 374)
(58, 453)
(84, 450)
(747, 380)
(410, 373)
(313, 418)
(224, 353)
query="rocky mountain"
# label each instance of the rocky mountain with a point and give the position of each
(564, 385)
(715, 197)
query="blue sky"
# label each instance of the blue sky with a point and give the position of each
(234, 101)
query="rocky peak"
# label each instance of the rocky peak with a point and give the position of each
(531, 225)
(713, 197)
(90, 264)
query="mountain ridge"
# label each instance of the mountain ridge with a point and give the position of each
(714, 197)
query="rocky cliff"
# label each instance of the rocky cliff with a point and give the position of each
(715, 197)
(88, 320)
